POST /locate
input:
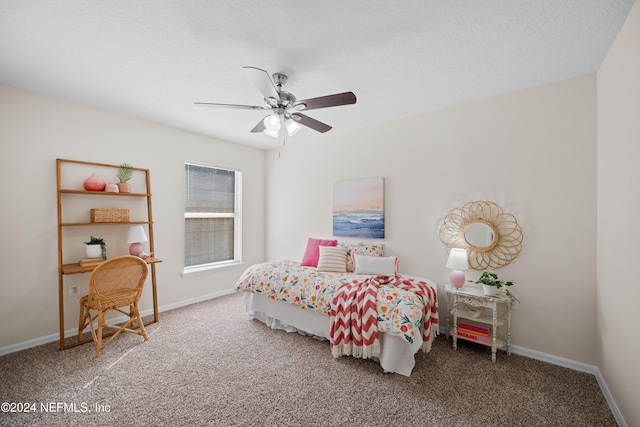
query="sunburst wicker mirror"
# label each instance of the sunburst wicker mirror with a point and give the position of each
(491, 236)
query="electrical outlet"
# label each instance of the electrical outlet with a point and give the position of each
(73, 291)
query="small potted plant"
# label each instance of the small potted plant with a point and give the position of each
(125, 172)
(491, 284)
(96, 248)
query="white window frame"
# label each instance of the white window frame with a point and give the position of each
(237, 231)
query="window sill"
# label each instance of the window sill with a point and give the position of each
(196, 271)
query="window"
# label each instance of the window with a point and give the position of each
(211, 217)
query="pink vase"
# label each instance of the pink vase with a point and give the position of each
(111, 188)
(124, 187)
(94, 183)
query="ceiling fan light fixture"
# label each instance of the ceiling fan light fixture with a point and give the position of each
(272, 122)
(272, 125)
(292, 127)
(271, 133)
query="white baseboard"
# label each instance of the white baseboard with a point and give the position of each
(609, 398)
(571, 364)
(522, 351)
(578, 366)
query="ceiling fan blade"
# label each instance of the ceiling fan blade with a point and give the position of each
(263, 82)
(344, 98)
(242, 107)
(260, 127)
(311, 123)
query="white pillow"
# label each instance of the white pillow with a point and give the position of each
(333, 258)
(375, 265)
(362, 249)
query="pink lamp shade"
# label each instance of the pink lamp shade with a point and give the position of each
(457, 263)
(136, 237)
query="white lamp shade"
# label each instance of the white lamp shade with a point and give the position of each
(292, 127)
(271, 133)
(136, 234)
(457, 259)
(457, 262)
(271, 125)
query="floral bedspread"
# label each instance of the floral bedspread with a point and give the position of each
(400, 312)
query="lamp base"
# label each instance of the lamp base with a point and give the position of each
(457, 279)
(135, 248)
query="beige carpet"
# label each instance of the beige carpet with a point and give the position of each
(208, 364)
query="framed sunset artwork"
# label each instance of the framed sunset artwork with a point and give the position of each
(358, 208)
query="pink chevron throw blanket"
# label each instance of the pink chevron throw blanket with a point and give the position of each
(430, 323)
(354, 321)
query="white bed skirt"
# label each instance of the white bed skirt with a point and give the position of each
(396, 355)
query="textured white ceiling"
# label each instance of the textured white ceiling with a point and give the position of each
(153, 58)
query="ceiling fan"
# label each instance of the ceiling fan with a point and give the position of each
(285, 117)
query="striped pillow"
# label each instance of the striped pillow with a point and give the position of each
(333, 258)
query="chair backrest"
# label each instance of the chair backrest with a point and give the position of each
(117, 276)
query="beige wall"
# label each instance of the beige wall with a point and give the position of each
(618, 209)
(34, 131)
(533, 152)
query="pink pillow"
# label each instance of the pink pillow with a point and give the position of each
(312, 253)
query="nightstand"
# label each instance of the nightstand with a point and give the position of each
(476, 324)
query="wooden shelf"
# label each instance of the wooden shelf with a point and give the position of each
(104, 193)
(65, 195)
(76, 268)
(83, 224)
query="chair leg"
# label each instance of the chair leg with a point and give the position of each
(134, 314)
(140, 323)
(86, 319)
(81, 323)
(99, 338)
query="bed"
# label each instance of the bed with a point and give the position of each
(302, 298)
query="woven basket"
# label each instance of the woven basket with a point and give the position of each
(110, 215)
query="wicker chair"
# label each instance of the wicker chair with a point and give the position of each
(113, 285)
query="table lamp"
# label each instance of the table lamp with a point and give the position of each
(457, 263)
(136, 237)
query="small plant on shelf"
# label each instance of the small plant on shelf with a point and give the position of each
(124, 174)
(93, 241)
(490, 279)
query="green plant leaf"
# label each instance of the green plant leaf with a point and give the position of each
(125, 172)
(95, 241)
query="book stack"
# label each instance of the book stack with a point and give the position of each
(474, 333)
(90, 262)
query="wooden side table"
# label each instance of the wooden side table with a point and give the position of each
(476, 299)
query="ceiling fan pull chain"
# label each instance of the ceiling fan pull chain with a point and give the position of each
(281, 148)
